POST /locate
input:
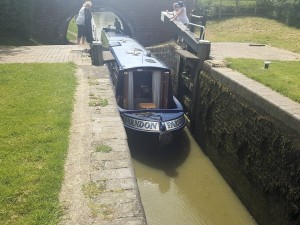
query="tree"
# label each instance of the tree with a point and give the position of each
(287, 11)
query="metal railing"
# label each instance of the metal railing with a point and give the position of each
(195, 16)
(202, 31)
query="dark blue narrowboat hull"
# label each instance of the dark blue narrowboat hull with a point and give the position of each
(155, 120)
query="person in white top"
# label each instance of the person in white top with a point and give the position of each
(180, 14)
(80, 21)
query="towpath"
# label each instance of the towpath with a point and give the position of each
(221, 50)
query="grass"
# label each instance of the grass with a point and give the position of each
(227, 3)
(104, 210)
(93, 189)
(72, 30)
(98, 102)
(72, 25)
(35, 114)
(103, 148)
(281, 76)
(254, 30)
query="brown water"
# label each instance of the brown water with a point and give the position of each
(179, 185)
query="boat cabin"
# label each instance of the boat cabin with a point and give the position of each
(140, 80)
(142, 84)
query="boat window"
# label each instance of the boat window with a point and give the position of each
(156, 88)
(142, 89)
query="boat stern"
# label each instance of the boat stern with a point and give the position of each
(153, 122)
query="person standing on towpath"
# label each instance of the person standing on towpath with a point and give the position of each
(88, 22)
(80, 22)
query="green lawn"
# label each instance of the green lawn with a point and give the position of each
(35, 114)
(281, 76)
(72, 30)
(254, 30)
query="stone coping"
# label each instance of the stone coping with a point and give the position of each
(221, 50)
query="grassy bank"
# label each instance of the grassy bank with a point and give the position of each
(255, 30)
(35, 114)
(282, 77)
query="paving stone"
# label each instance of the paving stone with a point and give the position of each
(119, 196)
(107, 174)
(117, 145)
(125, 184)
(130, 209)
(123, 221)
(113, 155)
(116, 164)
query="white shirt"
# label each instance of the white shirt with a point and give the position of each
(80, 17)
(182, 17)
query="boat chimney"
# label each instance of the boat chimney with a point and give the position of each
(148, 54)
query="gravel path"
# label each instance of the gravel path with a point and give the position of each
(77, 166)
(221, 50)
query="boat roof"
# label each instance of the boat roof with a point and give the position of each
(130, 54)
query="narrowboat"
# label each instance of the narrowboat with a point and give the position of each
(142, 86)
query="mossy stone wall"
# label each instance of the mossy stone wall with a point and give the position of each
(257, 155)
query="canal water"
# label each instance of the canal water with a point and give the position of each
(180, 185)
(101, 20)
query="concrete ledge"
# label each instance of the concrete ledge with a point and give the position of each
(100, 186)
(112, 170)
(272, 103)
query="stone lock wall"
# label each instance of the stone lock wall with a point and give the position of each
(167, 54)
(257, 155)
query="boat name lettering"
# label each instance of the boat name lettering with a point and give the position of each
(175, 123)
(143, 125)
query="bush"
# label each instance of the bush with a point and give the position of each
(288, 11)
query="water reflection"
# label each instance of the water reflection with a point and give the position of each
(149, 151)
(179, 185)
(103, 19)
